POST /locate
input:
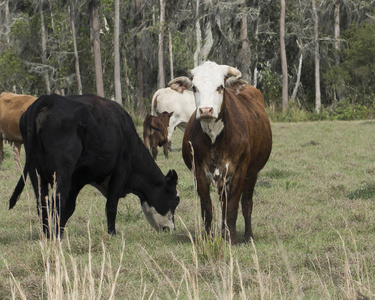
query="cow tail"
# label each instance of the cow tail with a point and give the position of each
(18, 190)
(28, 126)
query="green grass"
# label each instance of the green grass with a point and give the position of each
(313, 223)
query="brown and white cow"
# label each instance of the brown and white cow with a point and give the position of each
(12, 106)
(181, 103)
(155, 132)
(227, 141)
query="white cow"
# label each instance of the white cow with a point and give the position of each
(181, 103)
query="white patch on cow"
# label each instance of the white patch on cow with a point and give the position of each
(157, 220)
(212, 128)
(207, 78)
(181, 104)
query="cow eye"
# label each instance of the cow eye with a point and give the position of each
(194, 89)
(220, 88)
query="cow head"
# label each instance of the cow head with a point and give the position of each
(159, 210)
(208, 82)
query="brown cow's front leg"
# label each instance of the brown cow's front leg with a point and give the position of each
(247, 204)
(203, 188)
(229, 215)
(154, 147)
(165, 149)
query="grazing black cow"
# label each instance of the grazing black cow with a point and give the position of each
(91, 140)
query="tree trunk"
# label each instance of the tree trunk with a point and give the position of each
(44, 50)
(337, 31)
(284, 66)
(6, 22)
(298, 81)
(138, 59)
(245, 50)
(198, 35)
(161, 77)
(318, 101)
(95, 27)
(209, 41)
(339, 93)
(170, 53)
(116, 46)
(75, 50)
(127, 80)
(255, 74)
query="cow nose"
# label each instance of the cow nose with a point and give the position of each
(206, 112)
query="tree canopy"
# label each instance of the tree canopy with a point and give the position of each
(241, 33)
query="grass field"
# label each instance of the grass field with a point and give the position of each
(313, 224)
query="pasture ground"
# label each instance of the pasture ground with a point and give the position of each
(313, 223)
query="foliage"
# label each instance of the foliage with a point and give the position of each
(348, 111)
(351, 78)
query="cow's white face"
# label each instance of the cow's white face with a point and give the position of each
(158, 221)
(208, 88)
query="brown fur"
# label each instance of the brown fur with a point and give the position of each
(244, 144)
(12, 106)
(155, 132)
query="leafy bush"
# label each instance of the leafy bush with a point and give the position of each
(347, 111)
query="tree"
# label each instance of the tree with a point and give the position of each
(161, 77)
(138, 59)
(116, 48)
(95, 33)
(44, 49)
(284, 66)
(318, 101)
(72, 15)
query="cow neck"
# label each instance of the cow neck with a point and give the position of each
(146, 177)
(213, 128)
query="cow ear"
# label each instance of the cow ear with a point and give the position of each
(171, 177)
(180, 84)
(171, 114)
(235, 83)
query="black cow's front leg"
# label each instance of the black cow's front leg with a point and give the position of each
(111, 212)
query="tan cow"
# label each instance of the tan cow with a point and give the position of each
(12, 106)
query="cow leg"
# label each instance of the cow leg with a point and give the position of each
(203, 188)
(165, 149)
(154, 147)
(171, 127)
(112, 203)
(1, 148)
(40, 187)
(230, 205)
(111, 212)
(67, 208)
(247, 204)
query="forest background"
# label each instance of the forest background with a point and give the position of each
(312, 60)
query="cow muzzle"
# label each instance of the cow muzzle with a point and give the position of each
(206, 113)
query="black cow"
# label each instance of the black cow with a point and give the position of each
(90, 140)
